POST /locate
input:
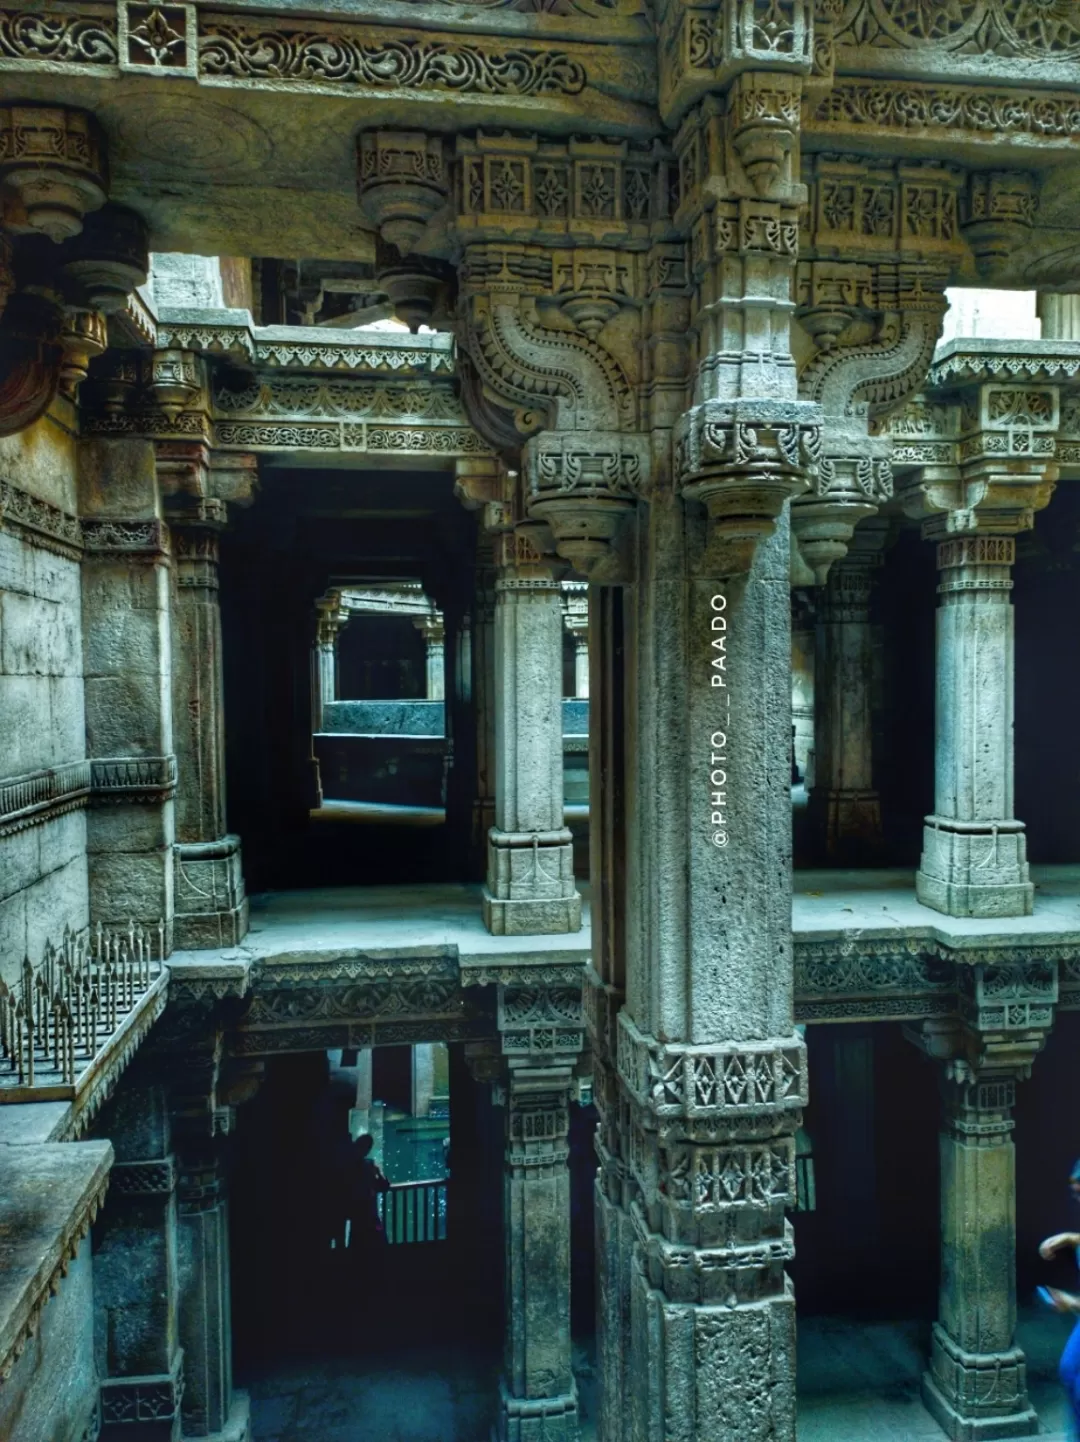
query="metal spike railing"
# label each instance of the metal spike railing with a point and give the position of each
(56, 1017)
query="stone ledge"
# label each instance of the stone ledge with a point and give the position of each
(49, 1195)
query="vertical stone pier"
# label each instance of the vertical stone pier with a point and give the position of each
(974, 860)
(538, 1395)
(138, 1352)
(530, 882)
(845, 810)
(211, 905)
(127, 664)
(977, 1383)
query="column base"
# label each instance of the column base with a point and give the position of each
(971, 872)
(530, 887)
(142, 1409)
(845, 824)
(531, 918)
(237, 1428)
(973, 1395)
(537, 1419)
(211, 907)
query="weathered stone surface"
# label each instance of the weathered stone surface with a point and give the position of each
(48, 1195)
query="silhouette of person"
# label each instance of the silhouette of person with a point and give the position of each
(1067, 1302)
(363, 1182)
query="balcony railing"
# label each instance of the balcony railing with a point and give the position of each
(61, 1018)
(414, 1211)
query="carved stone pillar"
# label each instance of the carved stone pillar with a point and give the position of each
(140, 1359)
(576, 617)
(483, 692)
(127, 656)
(431, 628)
(530, 883)
(845, 810)
(211, 906)
(604, 995)
(331, 619)
(711, 1070)
(974, 860)
(977, 1383)
(712, 1074)
(209, 1407)
(541, 1035)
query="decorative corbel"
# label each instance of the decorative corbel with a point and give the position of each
(866, 365)
(574, 409)
(997, 215)
(52, 159)
(403, 180)
(1004, 468)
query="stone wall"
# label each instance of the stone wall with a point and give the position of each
(43, 882)
(52, 1390)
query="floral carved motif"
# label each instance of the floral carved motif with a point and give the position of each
(336, 58)
(72, 39)
(912, 107)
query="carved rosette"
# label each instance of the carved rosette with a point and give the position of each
(53, 159)
(742, 460)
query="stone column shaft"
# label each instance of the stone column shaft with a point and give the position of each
(432, 630)
(139, 1356)
(845, 806)
(974, 860)
(211, 906)
(977, 1383)
(209, 1407)
(530, 885)
(538, 1394)
(710, 1153)
(483, 692)
(127, 664)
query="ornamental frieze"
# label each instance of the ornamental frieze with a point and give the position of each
(1033, 29)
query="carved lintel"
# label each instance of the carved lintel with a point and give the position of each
(182, 467)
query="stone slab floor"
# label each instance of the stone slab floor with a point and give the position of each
(858, 1382)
